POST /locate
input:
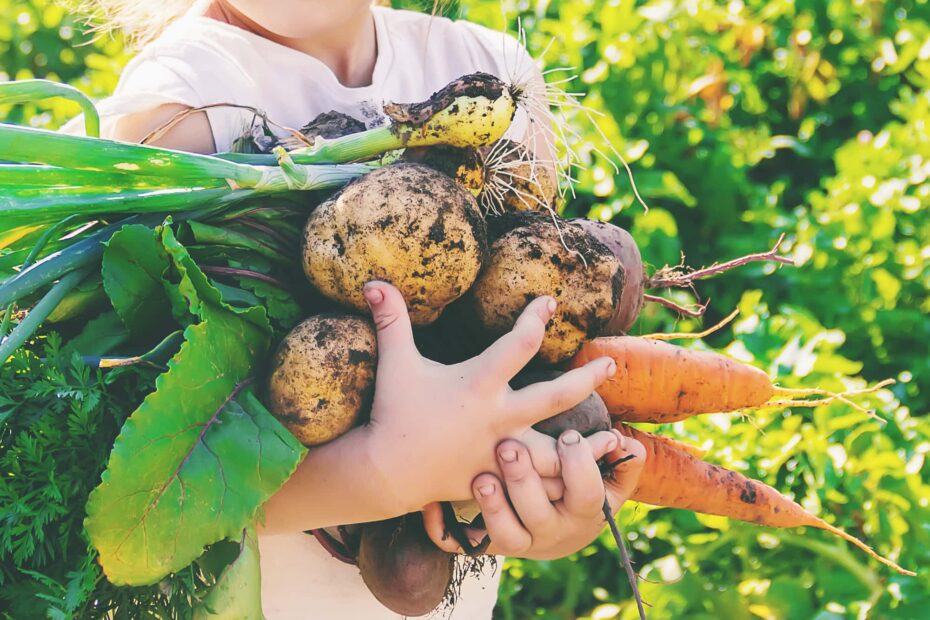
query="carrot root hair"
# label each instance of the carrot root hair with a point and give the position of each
(796, 398)
(677, 277)
(852, 539)
(695, 311)
(697, 335)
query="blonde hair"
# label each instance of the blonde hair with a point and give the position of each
(139, 21)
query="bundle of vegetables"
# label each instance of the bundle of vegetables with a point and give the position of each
(146, 261)
(203, 272)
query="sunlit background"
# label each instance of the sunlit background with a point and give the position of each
(741, 121)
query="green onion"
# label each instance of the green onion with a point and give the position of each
(31, 258)
(40, 312)
(353, 147)
(76, 256)
(27, 91)
(24, 176)
(38, 146)
(53, 205)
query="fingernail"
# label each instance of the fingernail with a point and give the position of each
(486, 490)
(570, 438)
(621, 439)
(508, 456)
(611, 443)
(551, 305)
(373, 295)
(611, 368)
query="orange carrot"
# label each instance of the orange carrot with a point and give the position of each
(675, 479)
(693, 450)
(661, 382)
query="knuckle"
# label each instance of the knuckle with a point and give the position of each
(384, 320)
(549, 468)
(591, 500)
(514, 544)
(540, 525)
(558, 401)
(491, 507)
(529, 339)
(515, 474)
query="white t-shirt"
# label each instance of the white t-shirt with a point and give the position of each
(200, 61)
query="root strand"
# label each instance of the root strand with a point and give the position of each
(674, 277)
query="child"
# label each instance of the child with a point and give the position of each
(437, 432)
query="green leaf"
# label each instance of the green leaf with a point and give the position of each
(195, 288)
(194, 462)
(134, 265)
(100, 335)
(279, 303)
(237, 592)
(216, 236)
(86, 297)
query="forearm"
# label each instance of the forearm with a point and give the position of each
(336, 484)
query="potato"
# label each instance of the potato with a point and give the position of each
(623, 246)
(406, 224)
(528, 259)
(402, 567)
(462, 164)
(323, 377)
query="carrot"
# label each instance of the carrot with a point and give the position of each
(688, 448)
(673, 478)
(661, 382)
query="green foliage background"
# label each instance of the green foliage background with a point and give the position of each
(741, 120)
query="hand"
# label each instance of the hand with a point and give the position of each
(531, 526)
(434, 427)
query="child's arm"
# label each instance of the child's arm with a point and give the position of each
(192, 134)
(433, 427)
(519, 517)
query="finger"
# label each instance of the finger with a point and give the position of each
(546, 399)
(389, 312)
(512, 351)
(525, 489)
(545, 454)
(508, 535)
(625, 477)
(555, 488)
(603, 442)
(584, 488)
(435, 526)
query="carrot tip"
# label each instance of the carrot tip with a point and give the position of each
(850, 538)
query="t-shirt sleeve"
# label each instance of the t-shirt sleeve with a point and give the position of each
(195, 79)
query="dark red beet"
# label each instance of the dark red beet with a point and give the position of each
(587, 417)
(402, 567)
(623, 246)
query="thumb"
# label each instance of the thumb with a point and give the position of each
(389, 312)
(625, 478)
(435, 525)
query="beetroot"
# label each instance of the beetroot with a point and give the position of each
(624, 248)
(402, 567)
